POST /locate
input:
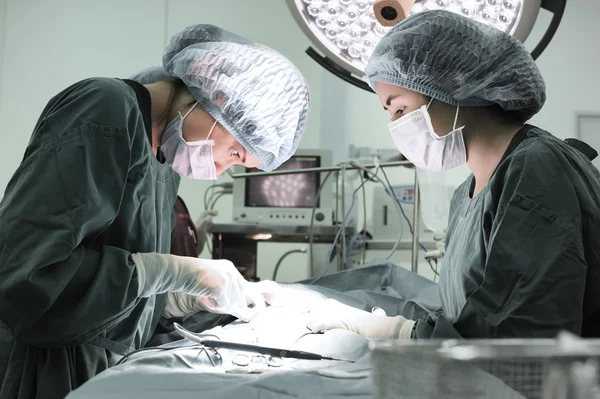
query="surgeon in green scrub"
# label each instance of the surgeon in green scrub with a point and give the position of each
(523, 242)
(86, 220)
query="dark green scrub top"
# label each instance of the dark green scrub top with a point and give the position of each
(523, 256)
(87, 194)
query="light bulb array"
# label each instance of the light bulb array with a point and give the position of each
(349, 28)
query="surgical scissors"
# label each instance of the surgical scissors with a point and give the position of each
(244, 360)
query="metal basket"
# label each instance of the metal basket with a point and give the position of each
(565, 368)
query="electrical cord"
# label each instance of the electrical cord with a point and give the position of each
(362, 236)
(216, 198)
(210, 205)
(396, 203)
(312, 222)
(353, 242)
(389, 190)
(206, 203)
(342, 228)
(343, 252)
(312, 219)
(354, 238)
(208, 190)
(211, 201)
(364, 200)
(410, 227)
(434, 269)
(285, 255)
(345, 221)
(216, 194)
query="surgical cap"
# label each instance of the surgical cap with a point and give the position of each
(460, 62)
(254, 92)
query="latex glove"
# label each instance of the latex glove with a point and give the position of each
(269, 290)
(290, 297)
(335, 315)
(220, 286)
(180, 304)
(202, 225)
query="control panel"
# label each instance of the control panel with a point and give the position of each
(405, 194)
(284, 216)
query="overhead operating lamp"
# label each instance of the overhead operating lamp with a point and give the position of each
(345, 32)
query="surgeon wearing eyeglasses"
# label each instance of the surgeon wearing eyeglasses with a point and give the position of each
(87, 218)
(522, 246)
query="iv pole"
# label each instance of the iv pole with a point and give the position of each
(415, 219)
(414, 256)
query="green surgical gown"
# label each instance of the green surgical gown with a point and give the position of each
(87, 194)
(523, 256)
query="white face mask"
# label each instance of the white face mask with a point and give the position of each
(193, 160)
(415, 138)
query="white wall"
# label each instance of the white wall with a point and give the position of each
(570, 67)
(49, 44)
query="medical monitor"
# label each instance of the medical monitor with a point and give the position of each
(287, 199)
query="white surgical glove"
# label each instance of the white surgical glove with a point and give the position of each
(335, 315)
(270, 290)
(218, 284)
(180, 304)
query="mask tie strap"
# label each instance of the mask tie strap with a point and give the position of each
(211, 130)
(430, 101)
(455, 119)
(187, 113)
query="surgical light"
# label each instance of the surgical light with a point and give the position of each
(347, 31)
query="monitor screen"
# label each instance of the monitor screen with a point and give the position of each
(285, 191)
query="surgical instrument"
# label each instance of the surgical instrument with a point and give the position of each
(263, 350)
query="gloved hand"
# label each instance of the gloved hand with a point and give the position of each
(335, 315)
(202, 225)
(220, 286)
(269, 290)
(180, 304)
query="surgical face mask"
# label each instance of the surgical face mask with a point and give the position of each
(415, 138)
(193, 160)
